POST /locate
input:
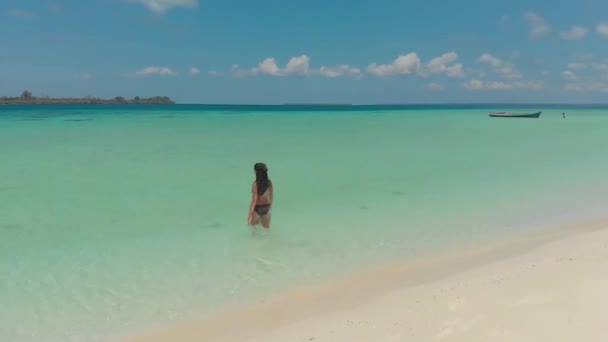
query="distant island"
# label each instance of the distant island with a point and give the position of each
(27, 98)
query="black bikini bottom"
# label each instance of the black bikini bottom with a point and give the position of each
(262, 209)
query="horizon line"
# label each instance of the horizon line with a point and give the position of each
(397, 104)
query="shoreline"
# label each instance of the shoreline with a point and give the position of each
(312, 305)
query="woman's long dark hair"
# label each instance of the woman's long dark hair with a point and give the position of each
(261, 178)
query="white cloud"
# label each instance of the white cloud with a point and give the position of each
(597, 86)
(216, 73)
(569, 75)
(575, 33)
(489, 59)
(411, 64)
(162, 6)
(475, 84)
(591, 87)
(529, 85)
(498, 86)
(435, 87)
(593, 80)
(84, 76)
(297, 66)
(439, 66)
(153, 70)
(504, 19)
(583, 56)
(600, 66)
(194, 72)
(340, 71)
(504, 69)
(576, 66)
(268, 67)
(17, 13)
(602, 28)
(546, 73)
(402, 65)
(509, 71)
(238, 72)
(538, 26)
(476, 73)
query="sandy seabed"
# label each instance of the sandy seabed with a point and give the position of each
(548, 287)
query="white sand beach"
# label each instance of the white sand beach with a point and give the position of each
(551, 287)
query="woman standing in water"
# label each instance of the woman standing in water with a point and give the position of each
(261, 199)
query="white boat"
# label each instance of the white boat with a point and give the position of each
(534, 115)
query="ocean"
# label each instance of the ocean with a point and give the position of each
(114, 218)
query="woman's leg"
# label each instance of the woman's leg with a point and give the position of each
(265, 221)
(255, 219)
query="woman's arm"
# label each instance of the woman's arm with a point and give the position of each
(254, 199)
(271, 198)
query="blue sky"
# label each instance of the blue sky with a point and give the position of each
(271, 51)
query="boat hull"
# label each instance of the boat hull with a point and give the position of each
(535, 115)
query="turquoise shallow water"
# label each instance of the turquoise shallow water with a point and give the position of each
(116, 217)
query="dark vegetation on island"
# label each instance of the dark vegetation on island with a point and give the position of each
(27, 98)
